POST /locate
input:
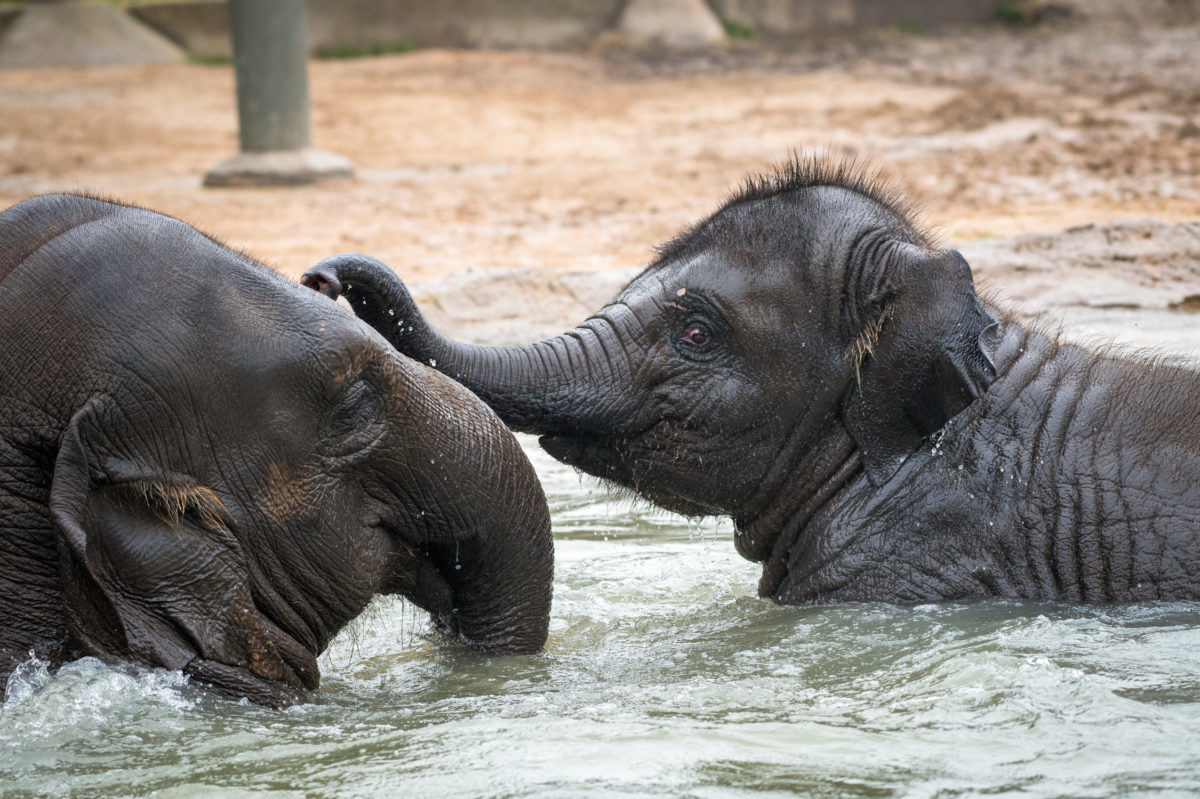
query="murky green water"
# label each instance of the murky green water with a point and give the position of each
(664, 675)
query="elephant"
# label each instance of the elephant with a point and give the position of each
(809, 362)
(206, 467)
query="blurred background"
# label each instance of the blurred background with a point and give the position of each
(522, 157)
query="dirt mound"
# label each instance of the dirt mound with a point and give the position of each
(1135, 283)
(1125, 265)
(78, 35)
(982, 105)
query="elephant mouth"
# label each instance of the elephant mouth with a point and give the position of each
(421, 575)
(426, 584)
(593, 454)
(610, 459)
(455, 585)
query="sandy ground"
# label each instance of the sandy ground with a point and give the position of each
(581, 163)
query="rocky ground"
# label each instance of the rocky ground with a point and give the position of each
(518, 190)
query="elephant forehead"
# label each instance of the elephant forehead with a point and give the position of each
(765, 296)
(740, 265)
(305, 349)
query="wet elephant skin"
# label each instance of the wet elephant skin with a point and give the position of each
(809, 362)
(206, 467)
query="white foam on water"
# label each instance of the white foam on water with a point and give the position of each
(39, 703)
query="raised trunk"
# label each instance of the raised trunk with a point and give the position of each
(544, 388)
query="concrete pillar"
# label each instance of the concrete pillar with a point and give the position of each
(270, 60)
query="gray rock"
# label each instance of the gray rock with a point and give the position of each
(681, 24)
(81, 35)
(1131, 283)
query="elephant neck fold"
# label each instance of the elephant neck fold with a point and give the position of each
(770, 535)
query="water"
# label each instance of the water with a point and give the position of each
(664, 675)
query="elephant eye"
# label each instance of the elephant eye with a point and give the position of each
(697, 335)
(696, 331)
(356, 420)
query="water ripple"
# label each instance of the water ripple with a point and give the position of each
(664, 675)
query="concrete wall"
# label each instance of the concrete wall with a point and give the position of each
(532, 24)
(201, 26)
(803, 18)
(7, 17)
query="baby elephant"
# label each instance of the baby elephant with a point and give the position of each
(206, 467)
(808, 362)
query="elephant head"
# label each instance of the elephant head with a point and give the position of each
(210, 468)
(806, 335)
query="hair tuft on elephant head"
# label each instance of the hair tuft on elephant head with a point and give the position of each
(809, 361)
(206, 467)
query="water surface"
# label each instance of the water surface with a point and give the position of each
(664, 675)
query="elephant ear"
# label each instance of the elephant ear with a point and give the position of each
(919, 357)
(153, 574)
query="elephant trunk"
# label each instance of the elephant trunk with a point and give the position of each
(501, 585)
(544, 388)
(474, 546)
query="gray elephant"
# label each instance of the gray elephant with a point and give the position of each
(808, 362)
(206, 467)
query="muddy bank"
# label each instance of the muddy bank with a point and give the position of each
(1135, 283)
(549, 178)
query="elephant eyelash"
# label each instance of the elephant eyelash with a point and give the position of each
(171, 502)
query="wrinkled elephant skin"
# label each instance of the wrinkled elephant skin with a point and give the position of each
(206, 467)
(808, 362)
